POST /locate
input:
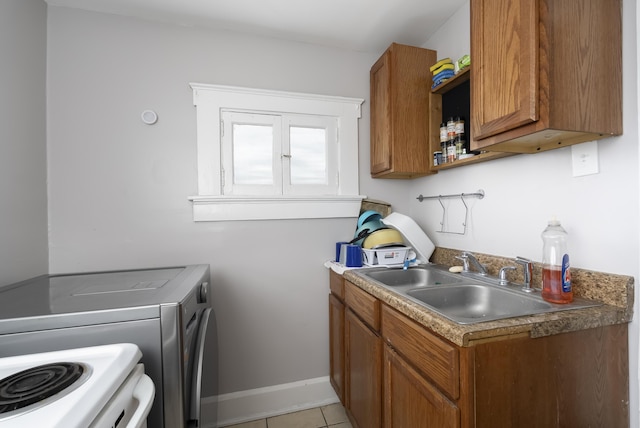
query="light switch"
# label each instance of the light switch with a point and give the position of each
(584, 158)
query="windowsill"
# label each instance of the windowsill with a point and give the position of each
(228, 208)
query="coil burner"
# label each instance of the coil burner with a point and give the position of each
(35, 385)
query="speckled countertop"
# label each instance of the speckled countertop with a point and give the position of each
(614, 291)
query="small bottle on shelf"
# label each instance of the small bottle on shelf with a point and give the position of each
(444, 139)
(460, 150)
(459, 125)
(451, 128)
(451, 151)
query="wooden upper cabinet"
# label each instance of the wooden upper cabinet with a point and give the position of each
(506, 90)
(401, 124)
(545, 74)
(381, 115)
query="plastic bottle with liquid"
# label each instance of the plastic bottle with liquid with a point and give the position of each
(556, 273)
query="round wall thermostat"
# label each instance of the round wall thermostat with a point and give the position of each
(149, 117)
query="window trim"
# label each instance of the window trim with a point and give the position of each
(211, 205)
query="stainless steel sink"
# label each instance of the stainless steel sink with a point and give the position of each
(412, 277)
(468, 303)
(463, 299)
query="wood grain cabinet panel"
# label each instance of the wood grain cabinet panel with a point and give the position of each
(337, 351)
(401, 125)
(363, 399)
(336, 345)
(578, 379)
(336, 284)
(545, 74)
(435, 358)
(411, 401)
(364, 305)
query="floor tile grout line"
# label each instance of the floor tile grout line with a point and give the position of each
(325, 412)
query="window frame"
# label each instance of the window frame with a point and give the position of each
(231, 118)
(282, 155)
(211, 204)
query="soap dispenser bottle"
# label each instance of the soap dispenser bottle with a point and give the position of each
(556, 274)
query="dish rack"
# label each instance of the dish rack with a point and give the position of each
(386, 256)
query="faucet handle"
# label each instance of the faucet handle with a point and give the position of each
(465, 261)
(502, 275)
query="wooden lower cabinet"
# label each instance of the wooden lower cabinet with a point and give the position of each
(578, 379)
(336, 334)
(400, 374)
(411, 401)
(336, 345)
(363, 399)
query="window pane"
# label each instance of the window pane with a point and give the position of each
(252, 154)
(308, 155)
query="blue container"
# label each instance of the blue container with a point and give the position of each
(354, 256)
(338, 247)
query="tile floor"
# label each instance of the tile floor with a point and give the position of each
(332, 416)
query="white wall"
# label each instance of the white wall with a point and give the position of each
(23, 187)
(599, 211)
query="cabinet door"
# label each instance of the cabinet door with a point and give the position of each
(381, 119)
(505, 73)
(411, 401)
(336, 345)
(364, 373)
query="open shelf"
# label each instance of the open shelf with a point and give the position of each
(482, 157)
(462, 76)
(453, 99)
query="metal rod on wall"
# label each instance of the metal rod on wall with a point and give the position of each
(479, 194)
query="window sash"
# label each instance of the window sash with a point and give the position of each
(329, 186)
(284, 155)
(230, 161)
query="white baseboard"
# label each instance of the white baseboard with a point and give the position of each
(244, 406)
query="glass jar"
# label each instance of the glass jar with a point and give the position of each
(451, 151)
(443, 133)
(460, 146)
(459, 125)
(451, 128)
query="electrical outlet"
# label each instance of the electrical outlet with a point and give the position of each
(584, 158)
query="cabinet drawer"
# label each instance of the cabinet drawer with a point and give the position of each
(363, 304)
(336, 284)
(432, 356)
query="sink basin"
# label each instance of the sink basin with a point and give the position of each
(467, 303)
(461, 298)
(413, 277)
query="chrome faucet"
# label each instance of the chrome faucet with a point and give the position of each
(527, 265)
(467, 257)
(502, 275)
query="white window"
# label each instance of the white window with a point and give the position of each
(270, 154)
(284, 154)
